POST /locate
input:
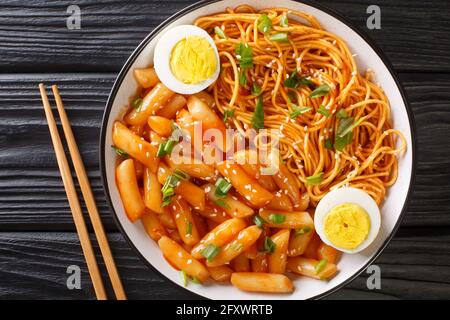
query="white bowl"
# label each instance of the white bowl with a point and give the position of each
(393, 208)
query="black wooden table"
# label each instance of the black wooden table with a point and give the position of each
(37, 237)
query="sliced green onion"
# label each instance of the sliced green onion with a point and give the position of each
(342, 114)
(222, 188)
(284, 22)
(315, 179)
(320, 91)
(259, 222)
(269, 245)
(137, 103)
(188, 228)
(244, 54)
(341, 143)
(168, 190)
(258, 115)
(166, 147)
(264, 23)
(228, 114)
(298, 111)
(279, 37)
(184, 278)
(328, 144)
(301, 231)
(324, 111)
(120, 152)
(256, 90)
(220, 33)
(180, 174)
(242, 78)
(277, 218)
(196, 280)
(294, 80)
(166, 202)
(352, 126)
(210, 252)
(344, 132)
(222, 204)
(320, 265)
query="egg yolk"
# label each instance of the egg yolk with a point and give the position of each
(347, 225)
(193, 60)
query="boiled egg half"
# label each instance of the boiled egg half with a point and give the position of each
(347, 219)
(186, 59)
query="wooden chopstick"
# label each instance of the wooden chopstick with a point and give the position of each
(73, 199)
(89, 199)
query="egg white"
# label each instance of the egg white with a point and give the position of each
(163, 50)
(348, 195)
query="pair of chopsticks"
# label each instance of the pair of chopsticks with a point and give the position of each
(88, 198)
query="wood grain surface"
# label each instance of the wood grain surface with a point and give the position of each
(37, 239)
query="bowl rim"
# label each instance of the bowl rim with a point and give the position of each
(197, 5)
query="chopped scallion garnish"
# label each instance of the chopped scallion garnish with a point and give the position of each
(315, 179)
(222, 188)
(264, 23)
(228, 114)
(196, 280)
(320, 265)
(349, 128)
(166, 147)
(137, 103)
(294, 80)
(220, 33)
(298, 111)
(269, 245)
(168, 190)
(184, 278)
(244, 54)
(222, 204)
(180, 174)
(328, 144)
(188, 228)
(284, 22)
(259, 222)
(120, 152)
(320, 91)
(242, 78)
(279, 37)
(256, 90)
(324, 111)
(210, 252)
(342, 114)
(258, 115)
(277, 218)
(301, 231)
